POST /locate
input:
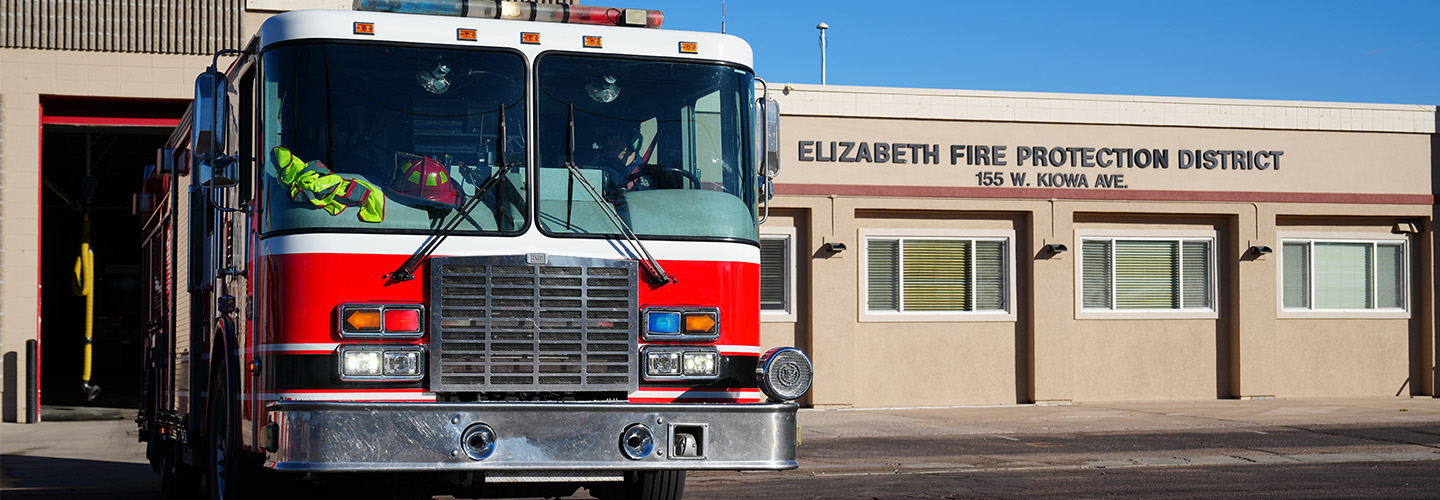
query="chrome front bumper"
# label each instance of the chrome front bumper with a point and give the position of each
(334, 436)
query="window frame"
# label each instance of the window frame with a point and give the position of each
(787, 235)
(1375, 239)
(539, 138)
(1007, 237)
(267, 190)
(1177, 236)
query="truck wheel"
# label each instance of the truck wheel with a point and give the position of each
(647, 485)
(178, 481)
(226, 465)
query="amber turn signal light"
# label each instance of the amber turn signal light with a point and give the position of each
(700, 322)
(362, 320)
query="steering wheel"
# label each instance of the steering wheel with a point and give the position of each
(652, 172)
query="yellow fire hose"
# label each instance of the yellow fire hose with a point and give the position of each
(84, 286)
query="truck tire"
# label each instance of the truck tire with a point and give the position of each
(228, 474)
(647, 485)
(177, 480)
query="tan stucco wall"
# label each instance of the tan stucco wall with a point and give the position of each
(1145, 360)
(1339, 358)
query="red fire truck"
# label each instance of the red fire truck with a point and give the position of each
(473, 247)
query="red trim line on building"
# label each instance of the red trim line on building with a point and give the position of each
(110, 121)
(1102, 194)
(111, 111)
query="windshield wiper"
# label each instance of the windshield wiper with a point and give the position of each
(657, 274)
(407, 269)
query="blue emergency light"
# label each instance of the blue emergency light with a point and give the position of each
(662, 322)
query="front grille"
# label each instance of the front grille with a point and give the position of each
(503, 324)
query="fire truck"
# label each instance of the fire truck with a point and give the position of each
(477, 248)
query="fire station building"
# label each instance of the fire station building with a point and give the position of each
(924, 247)
(942, 247)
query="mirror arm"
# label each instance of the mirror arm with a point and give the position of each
(763, 173)
(215, 59)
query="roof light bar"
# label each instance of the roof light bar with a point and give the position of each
(520, 11)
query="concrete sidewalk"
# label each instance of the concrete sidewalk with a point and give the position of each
(1117, 417)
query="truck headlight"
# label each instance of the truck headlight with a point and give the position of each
(662, 363)
(784, 373)
(402, 363)
(701, 363)
(681, 363)
(376, 362)
(360, 362)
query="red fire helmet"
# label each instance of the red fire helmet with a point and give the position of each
(426, 181)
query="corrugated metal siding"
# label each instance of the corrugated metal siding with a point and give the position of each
(150, 26)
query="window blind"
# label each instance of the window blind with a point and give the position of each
(1095, 281)
(1195, 274)
(990, 282)
(937, 275)
(881, 275)
(1342, 275)
(1390, 276)
(1146, 275)
(1296, 288)
(774, 274)
(934, 276)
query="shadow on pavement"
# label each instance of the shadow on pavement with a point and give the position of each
(25, 477)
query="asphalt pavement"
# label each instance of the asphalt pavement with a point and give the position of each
(919, 452)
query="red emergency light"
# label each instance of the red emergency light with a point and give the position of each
(520, 11)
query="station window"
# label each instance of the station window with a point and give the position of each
(1343, 275)
(925, 276)
(1147, 274)
(776, 268)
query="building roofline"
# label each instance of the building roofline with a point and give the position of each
(1037, 107)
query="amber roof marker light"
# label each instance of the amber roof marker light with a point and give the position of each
(520, 11)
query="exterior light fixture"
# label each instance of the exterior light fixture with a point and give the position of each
(1055, 248)
(1259, 250)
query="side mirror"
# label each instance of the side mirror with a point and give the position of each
(214, 168)
(771, 160)
(207, 134)
(218, 173)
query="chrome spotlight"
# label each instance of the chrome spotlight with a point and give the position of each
(784, 373)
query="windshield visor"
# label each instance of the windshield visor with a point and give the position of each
(667, 144)
(366, 138)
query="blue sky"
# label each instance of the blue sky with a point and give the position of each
(1374, 51)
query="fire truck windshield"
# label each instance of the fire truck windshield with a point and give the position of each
(667, 143)
(383, 137)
